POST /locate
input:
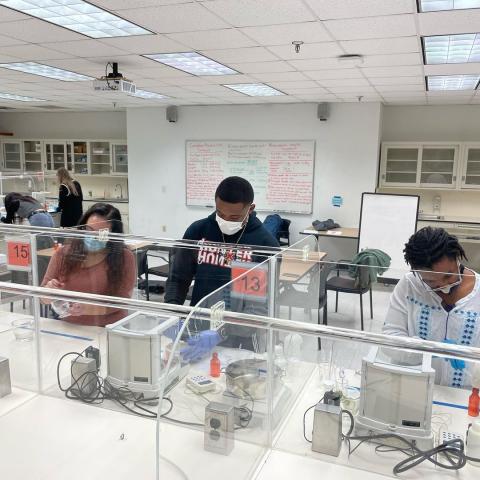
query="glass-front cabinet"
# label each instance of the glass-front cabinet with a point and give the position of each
(12, 155)
(419, 165)
(471, 166)
(79, 158)
(100, 158)
(32, 151)
(119, 158)
(56, 153)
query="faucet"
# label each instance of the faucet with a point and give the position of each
(121, 189)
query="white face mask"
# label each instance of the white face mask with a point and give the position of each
(227, 227)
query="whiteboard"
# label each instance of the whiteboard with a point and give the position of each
(386, 222)
(281, 172)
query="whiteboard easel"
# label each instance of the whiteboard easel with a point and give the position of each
(387, 221)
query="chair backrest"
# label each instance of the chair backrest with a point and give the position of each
(273, 224)
(324, 273)
(142, 262)
(363, 278)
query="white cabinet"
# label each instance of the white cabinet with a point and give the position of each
(119, 159)
(419, 165)
(77, 156)
(12, 155)
(32, 155)
(471, 166)
(100, 161)
(56, 155)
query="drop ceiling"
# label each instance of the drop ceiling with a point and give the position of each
(252, 37)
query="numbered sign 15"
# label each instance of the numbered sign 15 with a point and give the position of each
(19, 255)
(251, 283)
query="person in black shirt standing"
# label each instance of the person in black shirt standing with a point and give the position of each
(70, 199)
(234, 223)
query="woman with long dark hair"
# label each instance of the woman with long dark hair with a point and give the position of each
(70, 198)
(94, 265)
(26, 207)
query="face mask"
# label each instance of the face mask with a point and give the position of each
(229, 228)
(93, 244)
(446, 289)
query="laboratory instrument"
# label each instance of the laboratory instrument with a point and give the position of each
(199, 384)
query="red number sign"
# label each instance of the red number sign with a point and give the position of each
(251, 282)
(18, 255)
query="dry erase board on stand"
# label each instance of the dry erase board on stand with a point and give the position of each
(281, 172)
(386, 223)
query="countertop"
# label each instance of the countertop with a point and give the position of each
(430, 217)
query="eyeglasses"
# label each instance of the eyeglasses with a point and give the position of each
(444, 288)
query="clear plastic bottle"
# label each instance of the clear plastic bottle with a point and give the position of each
(280, 360)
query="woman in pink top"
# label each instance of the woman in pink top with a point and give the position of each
(91, 265)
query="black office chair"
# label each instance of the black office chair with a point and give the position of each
(283, 235)
(359, 285)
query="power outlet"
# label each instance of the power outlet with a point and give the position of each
(446, 436)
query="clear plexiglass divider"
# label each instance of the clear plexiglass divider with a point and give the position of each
(267, 352)
(102, 366)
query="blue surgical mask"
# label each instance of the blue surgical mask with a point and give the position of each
(93, 244)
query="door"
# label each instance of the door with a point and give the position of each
(399, 165)
(439, 166)
(120, 159)
(12, 155)
(56, 155)
(32, 152)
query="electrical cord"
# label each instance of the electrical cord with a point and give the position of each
(90, 388)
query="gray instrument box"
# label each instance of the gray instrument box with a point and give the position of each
(219, 428)
(5, 382)
(327, 429)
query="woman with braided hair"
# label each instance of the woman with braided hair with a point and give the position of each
(438, 300)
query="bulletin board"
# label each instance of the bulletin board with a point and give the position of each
(281, 172)
(386, 223)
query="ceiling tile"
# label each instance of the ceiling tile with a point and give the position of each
(393, 60)
(222, 79)
(213, 39)
(332, 9)
(261, 67)
(400, 88)
(321, 64)
(449, 22)
(408, 71)
(359, 98)
(124, 4)
(308, 32)
(84, 48)
(8, 41)
(418, 80)
(344, 82)
(321, 97)
(309, 50)
(280, 77)
(33, 52)
(380, 46)
(9, 15)
(144, 44)
(350, 90)
(245, 13)
(301, 84)
(38, 31)
(452, 69)
(303, 91)
(239, 55)
(372, 27)
(174, 18)
(450, 93)
(337, 73)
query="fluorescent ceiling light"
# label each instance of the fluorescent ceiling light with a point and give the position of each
(452, 82)
(462, 48)
(46, 71)
(255, 89)
(20, 98)
(192, 62)
(437, 5)
(77, 15)
(147, 94)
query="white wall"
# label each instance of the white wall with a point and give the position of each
(346, 157)
(68, 125)
(431, 123)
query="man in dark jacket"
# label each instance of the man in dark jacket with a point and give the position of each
(233, 223)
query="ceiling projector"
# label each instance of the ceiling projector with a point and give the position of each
(114, 82)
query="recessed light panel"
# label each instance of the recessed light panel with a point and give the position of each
(462, 48)
(46, 71)
(77, 15)
(452, 82)
(192, 62)
(20, 98)
(437, 5)
(255, 89)
(147, 94)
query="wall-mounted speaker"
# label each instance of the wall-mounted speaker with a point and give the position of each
(323, 111)
(172, 113)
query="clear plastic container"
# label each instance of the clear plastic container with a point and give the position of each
(23, 329)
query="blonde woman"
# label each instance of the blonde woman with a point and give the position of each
(70, 198)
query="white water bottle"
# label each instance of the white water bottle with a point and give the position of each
(473, 442)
